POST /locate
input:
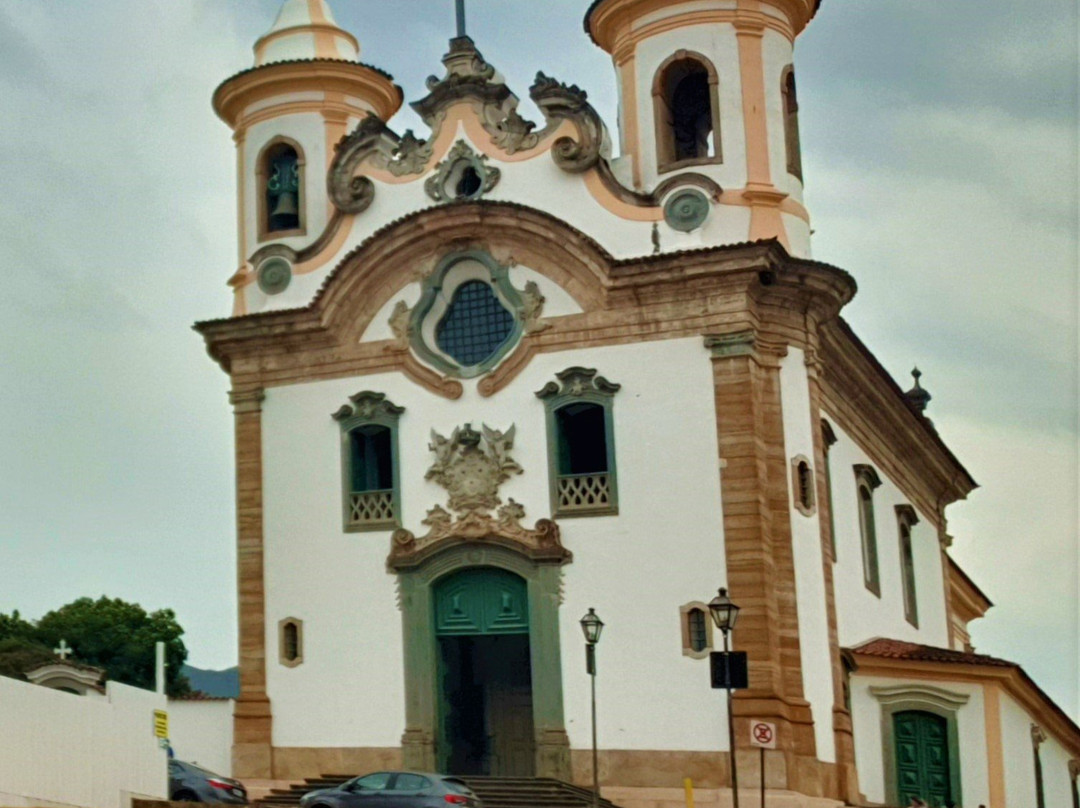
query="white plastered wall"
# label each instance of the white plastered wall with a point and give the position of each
(663, 550)
(202, 732)
(1019, 759)
(860, 614)
(809, 559)
(866, 717)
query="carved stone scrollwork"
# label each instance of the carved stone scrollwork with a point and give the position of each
(513, 133)
(559, 102)
(578, 382)
(471, 466)
(449, 181)
(468, 76)
(374, 143)
(368, 405)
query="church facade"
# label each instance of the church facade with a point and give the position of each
(490, 378)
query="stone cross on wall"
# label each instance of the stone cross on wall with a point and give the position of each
(63, 651)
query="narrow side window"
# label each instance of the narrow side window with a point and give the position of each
(866, 480)
(291, 642)
(371, 489)
(697, 639)
(828, 438)
(581, 443)
(906, 520)
(791, 123)
(802, 485)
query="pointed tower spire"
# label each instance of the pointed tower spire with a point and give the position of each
(305, 29)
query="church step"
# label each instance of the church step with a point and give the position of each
(494, 792)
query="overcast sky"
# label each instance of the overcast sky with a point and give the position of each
(940, 150)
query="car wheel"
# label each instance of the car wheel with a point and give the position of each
(185, 796)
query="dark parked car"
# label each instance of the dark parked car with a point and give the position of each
(189, 783)
(394, 790)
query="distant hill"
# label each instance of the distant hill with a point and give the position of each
(219, 684)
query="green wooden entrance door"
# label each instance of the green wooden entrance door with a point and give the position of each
(922, 758)
(485, 674)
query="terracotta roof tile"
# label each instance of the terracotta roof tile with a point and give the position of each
(913, 652)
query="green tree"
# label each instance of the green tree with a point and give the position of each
(19, 654)
(119, 637)
(13, 627)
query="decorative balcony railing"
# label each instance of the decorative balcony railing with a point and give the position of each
(585, 492)
(372, 508)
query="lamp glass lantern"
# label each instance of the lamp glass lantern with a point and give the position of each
(591, 626)
(724, 612)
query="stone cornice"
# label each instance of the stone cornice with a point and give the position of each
(861, 396)
(370, 275)
(235, 94)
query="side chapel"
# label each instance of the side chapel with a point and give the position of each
(490, 376)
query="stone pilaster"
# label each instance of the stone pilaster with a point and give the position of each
(760, 560)
(843, 735)
(252, 718)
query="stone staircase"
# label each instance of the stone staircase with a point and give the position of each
(494, 792)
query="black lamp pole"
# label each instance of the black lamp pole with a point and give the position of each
(724, 614)
(592, 625)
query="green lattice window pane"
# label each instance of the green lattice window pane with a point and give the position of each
(699, 638)
(476, 325)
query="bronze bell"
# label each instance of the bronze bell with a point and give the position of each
(286, 205)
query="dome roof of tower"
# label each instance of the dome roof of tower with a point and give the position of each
(595, 5)
(305, 29)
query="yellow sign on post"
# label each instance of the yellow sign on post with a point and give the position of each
(161, 724)
(688, 785)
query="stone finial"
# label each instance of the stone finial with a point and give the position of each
(917, 395)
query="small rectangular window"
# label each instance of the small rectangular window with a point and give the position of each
(867, 480)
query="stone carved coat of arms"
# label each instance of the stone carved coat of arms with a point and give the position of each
(471, 466)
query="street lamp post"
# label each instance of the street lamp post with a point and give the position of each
(724, 614)
(592, 625)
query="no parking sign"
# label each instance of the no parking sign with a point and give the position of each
(763, 735)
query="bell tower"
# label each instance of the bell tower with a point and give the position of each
(306, 90)
(708, 87)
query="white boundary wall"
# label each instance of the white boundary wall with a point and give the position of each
(202, 732)
(57, 748)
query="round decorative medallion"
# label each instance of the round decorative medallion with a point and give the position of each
(686, 210)
(274, 275)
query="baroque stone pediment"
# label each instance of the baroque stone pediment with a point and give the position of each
(469, 78)
(471, 466)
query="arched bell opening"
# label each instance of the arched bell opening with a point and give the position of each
(280, 192)
(483, 676)
(686, 108)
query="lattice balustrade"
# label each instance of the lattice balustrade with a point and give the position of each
(372, 508)
(584, 492)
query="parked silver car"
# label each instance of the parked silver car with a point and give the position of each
(394, 790)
